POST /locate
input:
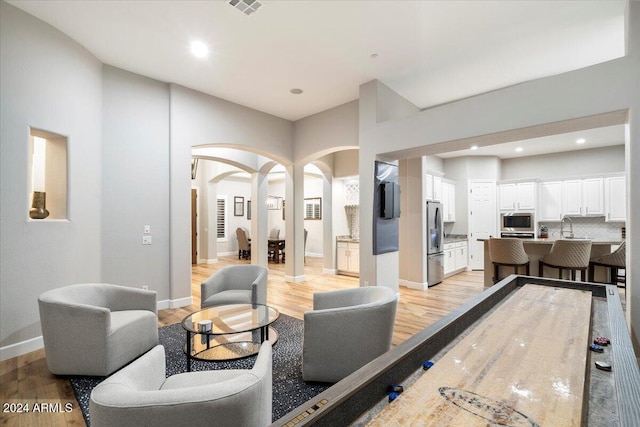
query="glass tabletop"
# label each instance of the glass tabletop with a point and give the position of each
(232, 318)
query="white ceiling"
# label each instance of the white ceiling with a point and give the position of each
(431, 52)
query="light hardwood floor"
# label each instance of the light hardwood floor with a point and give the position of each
(26, 379)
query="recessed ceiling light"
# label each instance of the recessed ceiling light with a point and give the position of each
(474, 147)
(296, 91)
(581, 141)
(519, 149)
(199, 49)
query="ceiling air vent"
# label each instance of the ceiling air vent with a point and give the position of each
(246, 6)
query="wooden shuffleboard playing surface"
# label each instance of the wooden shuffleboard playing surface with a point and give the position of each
(524, 365)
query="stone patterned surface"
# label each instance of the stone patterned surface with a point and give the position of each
(352, 193)
(595, 228)
(353, 219)
(289, 390)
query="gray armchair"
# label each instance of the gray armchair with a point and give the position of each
(96, 328)
(235, 284)
(346, 330)
(140, 395)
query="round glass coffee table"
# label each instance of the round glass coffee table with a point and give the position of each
(237, 331)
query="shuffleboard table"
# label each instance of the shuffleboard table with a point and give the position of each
(518, 354)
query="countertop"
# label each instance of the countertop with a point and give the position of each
(453, 238)
(349, 239)
(549, 241)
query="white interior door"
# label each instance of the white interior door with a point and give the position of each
(483, 219)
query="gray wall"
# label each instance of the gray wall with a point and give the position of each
(39, 255)
(345, 164)
(135, 173)
(326, 132)
(570, 163)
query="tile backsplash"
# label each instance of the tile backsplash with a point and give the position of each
(353, 219)
(595, 228)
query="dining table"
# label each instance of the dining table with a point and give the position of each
(276, 246)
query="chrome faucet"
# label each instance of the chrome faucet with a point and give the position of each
(570, 235)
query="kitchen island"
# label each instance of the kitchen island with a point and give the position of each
(536, 249)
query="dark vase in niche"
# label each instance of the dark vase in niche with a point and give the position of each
(38, 207)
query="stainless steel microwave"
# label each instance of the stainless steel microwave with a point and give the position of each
(517, 221)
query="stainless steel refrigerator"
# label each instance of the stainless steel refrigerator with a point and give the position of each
(435, 244)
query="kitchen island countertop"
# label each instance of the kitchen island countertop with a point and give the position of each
(549, 241)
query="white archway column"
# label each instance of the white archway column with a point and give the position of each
(294, 227)
(328, 235)
(259, 223)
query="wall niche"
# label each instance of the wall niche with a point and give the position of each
(48, 175)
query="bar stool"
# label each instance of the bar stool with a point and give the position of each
(572, 255)
(507, 252)
(615, 261)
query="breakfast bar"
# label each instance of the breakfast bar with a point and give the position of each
(537, 248)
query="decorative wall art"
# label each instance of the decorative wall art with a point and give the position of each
(238, 206)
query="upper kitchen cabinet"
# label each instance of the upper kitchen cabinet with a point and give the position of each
(433, 186)
(519, 196)
(550, 201)
(449, 201)
(583, 197)
(615, 198)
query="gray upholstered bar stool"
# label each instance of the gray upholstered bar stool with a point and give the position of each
(615, 261)
(567, 254)
(507, 252)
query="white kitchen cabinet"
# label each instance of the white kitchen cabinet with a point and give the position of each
(593, 196)
(461, 255)
(348, 257)
(583, 197)
(428, 185)
(437, 188)
(449, 258)
(517, 196)
(550, 201)
(455, 257)
(615, 195)
(433, 187)
(449, 202)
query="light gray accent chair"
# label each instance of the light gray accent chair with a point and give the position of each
(96, 328)
(346, 330)
(235, 284)
(140, 395)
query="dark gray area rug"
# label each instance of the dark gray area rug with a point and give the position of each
(289, 390)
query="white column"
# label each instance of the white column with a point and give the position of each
(294, 227)
(259, 219)
(328, 236)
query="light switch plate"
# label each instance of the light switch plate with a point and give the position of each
(147, 229)
(146, 240)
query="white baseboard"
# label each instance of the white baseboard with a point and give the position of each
(18, 349)
(207, 261)
(314, 255)
(294, 279)
(182, 302)
(329, 271)
(413, 285)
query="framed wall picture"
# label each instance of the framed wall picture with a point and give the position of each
(313, 208)
(238, 206)
(274, 203)
(283, 216)
(248, 209)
